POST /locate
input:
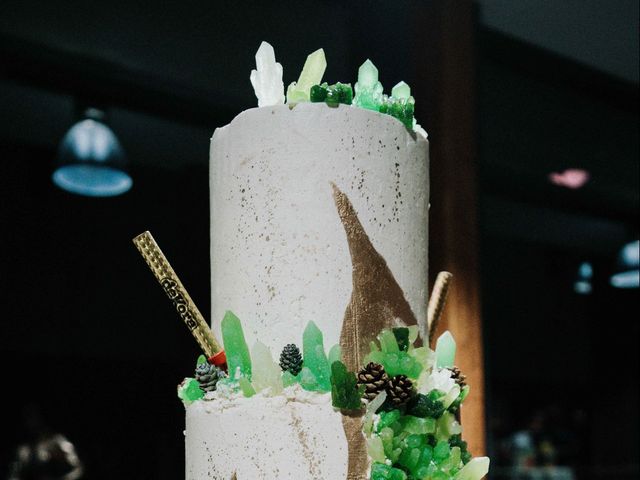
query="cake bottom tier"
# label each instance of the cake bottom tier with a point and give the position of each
(295, 436)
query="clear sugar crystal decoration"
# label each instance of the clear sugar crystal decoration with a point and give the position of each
(267, 78)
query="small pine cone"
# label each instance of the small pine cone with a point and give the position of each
(291, 359)
(459, 378)
(374, 379)
(399, 390)
(208, 375)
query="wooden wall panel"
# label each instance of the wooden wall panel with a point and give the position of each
(445, 71)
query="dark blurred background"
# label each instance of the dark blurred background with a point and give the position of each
(87, 337)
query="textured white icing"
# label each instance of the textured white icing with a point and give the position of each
(295, 436)
(279, 258)
(279, 255)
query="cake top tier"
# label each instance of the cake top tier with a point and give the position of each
(280, 253)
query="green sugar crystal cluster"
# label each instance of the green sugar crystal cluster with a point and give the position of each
(266, 372)
(445, 350)
(400, 104)
(256, 371)
(345, 392)
(332, 94)
(189, 391)
(395, 360)
(421, 439)
(311, 75)
(235, 346)
(411, 394)
(368, 88)
(250, 372)
(369, 94)
(316, 370)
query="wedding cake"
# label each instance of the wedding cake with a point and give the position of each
(319, 238)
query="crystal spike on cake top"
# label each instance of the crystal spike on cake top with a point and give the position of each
(311, 75)
(238, 358)
(267, 78)
(368, 89)
(400, 104)
(401, 91)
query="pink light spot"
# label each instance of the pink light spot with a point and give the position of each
(572, 178)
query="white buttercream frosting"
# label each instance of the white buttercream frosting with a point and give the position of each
(279, 255)
(279, 258)
(297, 435)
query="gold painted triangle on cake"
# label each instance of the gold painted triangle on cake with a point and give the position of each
(377, 301)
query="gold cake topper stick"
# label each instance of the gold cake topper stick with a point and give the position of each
(176, 292)
(437, 301)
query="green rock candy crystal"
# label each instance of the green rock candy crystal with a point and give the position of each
(474, 470)
(422, 440)
(380, 471)
(402, 337)
(308, 380)
(311, 75)
(345, 392)
(315, 360)
(189, 391)
(332, 94)
(246, 387)
(401, 91)
(235, 346)
(393, 359)
(400, 104)
(266, 374)
(288, 379)
(335, 354)
(445, 350)
(368, 89)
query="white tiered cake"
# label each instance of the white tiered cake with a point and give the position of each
(319, 214)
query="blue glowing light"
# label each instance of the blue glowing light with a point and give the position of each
(92, 180)
(91, 161)
(628, 275)
(582, 287)
(585, 271)
(630, 279)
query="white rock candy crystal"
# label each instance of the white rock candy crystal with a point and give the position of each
(437, 379)
(267, 78)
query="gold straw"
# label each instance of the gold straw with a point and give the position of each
(176, 292)
(437, 301)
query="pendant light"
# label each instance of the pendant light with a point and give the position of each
(91, 161)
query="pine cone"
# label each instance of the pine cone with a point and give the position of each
(290, 359)
(459, 378)
(374, 379)
(399, 390)
(208, 375)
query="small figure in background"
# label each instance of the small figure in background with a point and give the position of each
(45, 455)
